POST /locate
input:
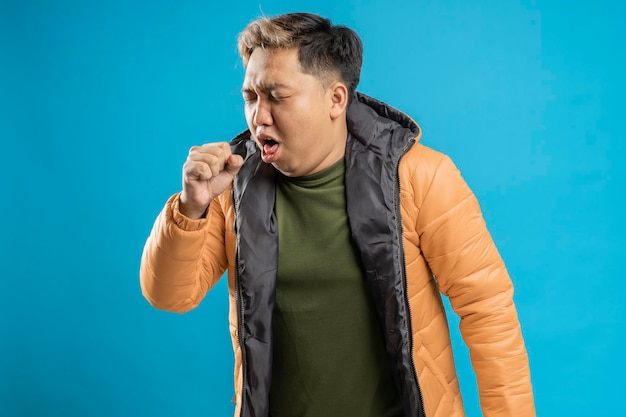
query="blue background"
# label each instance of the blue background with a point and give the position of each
(100, 102)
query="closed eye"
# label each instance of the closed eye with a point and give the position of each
(248, 97)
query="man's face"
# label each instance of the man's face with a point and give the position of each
(289, 114)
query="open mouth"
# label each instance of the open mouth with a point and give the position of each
(269, 148)
(268, 145)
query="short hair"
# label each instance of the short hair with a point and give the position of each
(323, 48)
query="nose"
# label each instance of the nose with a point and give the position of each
(262, 114)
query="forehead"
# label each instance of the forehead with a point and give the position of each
(273, 66)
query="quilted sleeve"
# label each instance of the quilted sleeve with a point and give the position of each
(182, 258)
(470, 271)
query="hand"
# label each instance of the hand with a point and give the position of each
(208, 171)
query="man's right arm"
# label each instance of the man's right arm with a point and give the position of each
(185, 253)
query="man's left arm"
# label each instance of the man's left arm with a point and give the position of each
(470, 271)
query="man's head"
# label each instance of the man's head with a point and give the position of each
(300, 74)
(325, 51)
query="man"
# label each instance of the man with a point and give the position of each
(339, 231)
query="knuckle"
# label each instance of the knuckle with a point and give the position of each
(220, 150)
(188, 165)
(212, 159)
(203, 171)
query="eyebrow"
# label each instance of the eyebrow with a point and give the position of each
(265, 88)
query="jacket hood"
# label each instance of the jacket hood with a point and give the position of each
(370, 119)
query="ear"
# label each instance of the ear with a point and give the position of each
(339, 99)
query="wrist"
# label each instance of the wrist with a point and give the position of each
(191, 212)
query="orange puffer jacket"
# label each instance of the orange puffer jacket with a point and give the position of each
(420, 233)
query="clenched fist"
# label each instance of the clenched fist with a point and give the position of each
(208, 171)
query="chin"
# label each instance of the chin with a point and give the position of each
(285, 170)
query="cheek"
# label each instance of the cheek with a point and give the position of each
(295, 121)
(248, 115)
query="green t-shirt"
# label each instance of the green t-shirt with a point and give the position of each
(329, 350)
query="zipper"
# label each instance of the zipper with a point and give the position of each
(398, 225)
(239, 306)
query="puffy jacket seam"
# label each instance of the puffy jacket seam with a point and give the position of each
(430, 184)
(202, 225)
(469, 241)
(187, 303)
(509, 395)
(481, 299)
(444, 214)
(519, 355)
(169, 256)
